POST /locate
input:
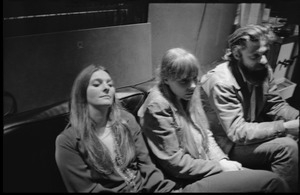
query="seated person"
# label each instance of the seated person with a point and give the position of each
(254, 120)
(103, 150)
(175, 128)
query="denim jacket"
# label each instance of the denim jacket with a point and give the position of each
(228, 106)
(158, 122)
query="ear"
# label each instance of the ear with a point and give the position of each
(236, 54)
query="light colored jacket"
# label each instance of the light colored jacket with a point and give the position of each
(229, 105)
(158, 122)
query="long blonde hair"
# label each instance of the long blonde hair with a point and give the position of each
(180, 64)
(97, 153)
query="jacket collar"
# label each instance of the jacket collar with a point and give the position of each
(238, 74)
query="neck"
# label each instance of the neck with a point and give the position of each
(100, 118)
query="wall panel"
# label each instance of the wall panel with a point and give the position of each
(39, 70)
(173, 25)
(216, 27)
(201, 28)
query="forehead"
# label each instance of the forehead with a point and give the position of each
(256, 46)
(100, 74)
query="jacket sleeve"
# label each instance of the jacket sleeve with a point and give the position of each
(214, 150)
(74, 171)
(276, 107)
(153, 179)
(229, 109)
(160, 132)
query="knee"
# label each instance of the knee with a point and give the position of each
(278, 184)
(289, 147)
(270, 181)
(290, 144)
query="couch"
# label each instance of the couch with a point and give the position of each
(29, 142)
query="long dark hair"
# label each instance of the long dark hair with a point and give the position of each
(179, 64)
(97, 153)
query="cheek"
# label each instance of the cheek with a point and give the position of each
(112, 91)
(179, 91)
(247, 62)
(91, 94)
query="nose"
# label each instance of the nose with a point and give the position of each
(105, 87)
(263, 59)
(193, 85)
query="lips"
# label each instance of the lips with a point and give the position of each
(190, 93)
(105, 96)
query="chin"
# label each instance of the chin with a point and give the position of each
(187, 98)
(105, 103)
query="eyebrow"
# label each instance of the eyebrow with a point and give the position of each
(257, 52)
(99, 79)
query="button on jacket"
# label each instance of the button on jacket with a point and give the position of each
(234, 116)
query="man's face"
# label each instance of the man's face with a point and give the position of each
(253, 55)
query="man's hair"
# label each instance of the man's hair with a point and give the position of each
(241, 36)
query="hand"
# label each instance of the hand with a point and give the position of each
(229, 165)
(292, 127)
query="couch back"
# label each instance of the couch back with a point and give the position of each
(29, 144)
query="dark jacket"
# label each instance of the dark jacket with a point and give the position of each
(229, 99)
(79, 177)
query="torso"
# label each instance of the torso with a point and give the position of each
(108, 139)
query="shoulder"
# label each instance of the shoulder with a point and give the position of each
(157, 99)
(155, 102)
(67, 137)
(128, 119)
(220, 76)
(127, 116)
(220, 73)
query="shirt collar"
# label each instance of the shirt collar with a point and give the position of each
(242, 74)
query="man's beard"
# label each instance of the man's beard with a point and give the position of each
(256, 76)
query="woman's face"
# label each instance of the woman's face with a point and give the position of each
(100, 91)
(184, 88)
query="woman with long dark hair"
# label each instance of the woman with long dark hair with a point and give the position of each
(103, 150)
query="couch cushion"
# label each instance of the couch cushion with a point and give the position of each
(28, 150)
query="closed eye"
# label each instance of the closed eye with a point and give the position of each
(96, 83)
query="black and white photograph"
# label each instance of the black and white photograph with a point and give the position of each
(144, 96)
